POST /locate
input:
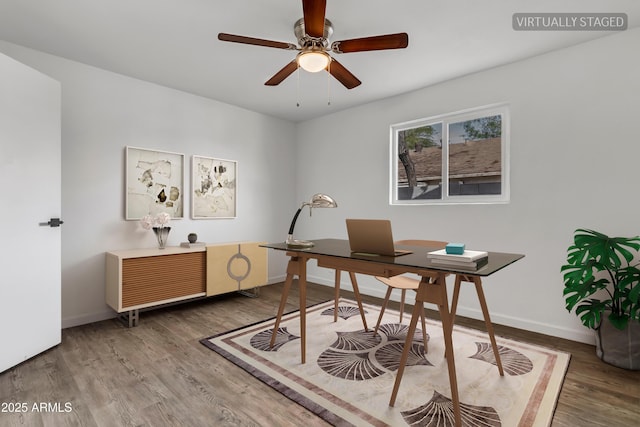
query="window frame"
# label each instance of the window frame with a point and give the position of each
(446, 120)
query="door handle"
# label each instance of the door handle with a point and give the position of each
(53, 222)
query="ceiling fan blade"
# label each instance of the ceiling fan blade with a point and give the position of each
(314, 11)
(282, 74)
(388, 41)
(256, 42)
(343, 75)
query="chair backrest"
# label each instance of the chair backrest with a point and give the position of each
(430, 243)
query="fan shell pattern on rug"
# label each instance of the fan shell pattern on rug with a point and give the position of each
(360, 356)
(262, 341)
(439, 412)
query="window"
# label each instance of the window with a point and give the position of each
(470, 167)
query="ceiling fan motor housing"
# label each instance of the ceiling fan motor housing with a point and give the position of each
(306, 41)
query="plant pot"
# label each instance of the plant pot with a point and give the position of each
(617, 347)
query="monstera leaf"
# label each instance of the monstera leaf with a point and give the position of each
(609, 252)
(602, 266)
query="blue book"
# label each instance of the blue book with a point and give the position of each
(455, 248)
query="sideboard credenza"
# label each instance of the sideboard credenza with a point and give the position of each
(144, 278)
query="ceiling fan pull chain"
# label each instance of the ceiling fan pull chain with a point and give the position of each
(298, 86)
(329, 83)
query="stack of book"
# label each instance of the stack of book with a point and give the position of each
(467, 260)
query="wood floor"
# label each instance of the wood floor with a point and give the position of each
(158, 374)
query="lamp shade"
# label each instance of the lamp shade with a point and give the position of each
(322, 201)
(313, 61)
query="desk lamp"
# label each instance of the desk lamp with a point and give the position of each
(317, 201)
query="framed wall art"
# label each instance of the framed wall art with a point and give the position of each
(213, 188)
(155, 183)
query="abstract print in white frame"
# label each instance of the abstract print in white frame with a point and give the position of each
(155, 183)
(213, 188)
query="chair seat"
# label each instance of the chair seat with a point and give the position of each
(404, 282)
(400, 282)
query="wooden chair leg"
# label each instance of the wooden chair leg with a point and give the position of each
(402, 295)
(382, 309)
(424, 329)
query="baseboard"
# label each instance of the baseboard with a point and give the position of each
(583, 335)
(276, 279)
(70, 322)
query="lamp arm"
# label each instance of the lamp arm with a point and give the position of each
(295, 218)
(317, 201)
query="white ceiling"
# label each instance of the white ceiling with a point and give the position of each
(174, 43)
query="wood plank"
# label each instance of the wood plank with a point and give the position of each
(159, 374)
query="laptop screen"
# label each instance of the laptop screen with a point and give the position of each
(372, 237)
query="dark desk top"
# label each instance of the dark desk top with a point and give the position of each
(416, 259)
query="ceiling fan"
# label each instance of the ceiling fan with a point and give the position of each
(313, 32)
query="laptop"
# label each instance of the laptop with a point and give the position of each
(372, 237)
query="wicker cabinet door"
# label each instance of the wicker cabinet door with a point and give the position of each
(152, 279)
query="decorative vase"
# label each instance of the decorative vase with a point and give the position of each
(161, 234)
(192, 237)
(617, 347)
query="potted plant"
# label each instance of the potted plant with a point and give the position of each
(602, 283)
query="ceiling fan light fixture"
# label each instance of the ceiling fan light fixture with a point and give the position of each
(313, 61)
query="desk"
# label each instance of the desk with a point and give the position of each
(336, 254)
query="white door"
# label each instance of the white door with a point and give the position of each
(30, 180)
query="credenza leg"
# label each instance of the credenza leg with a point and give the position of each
(253, 293)
(130, 319)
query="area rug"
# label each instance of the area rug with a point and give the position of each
(349, 373)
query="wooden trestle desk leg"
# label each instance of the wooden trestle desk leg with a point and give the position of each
(485, 311)
(336, 288)
(435, 293)
(297, 267)
(354, 284)
(356, 292)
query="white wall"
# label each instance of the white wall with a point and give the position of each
(574, 163)
(103, 112)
